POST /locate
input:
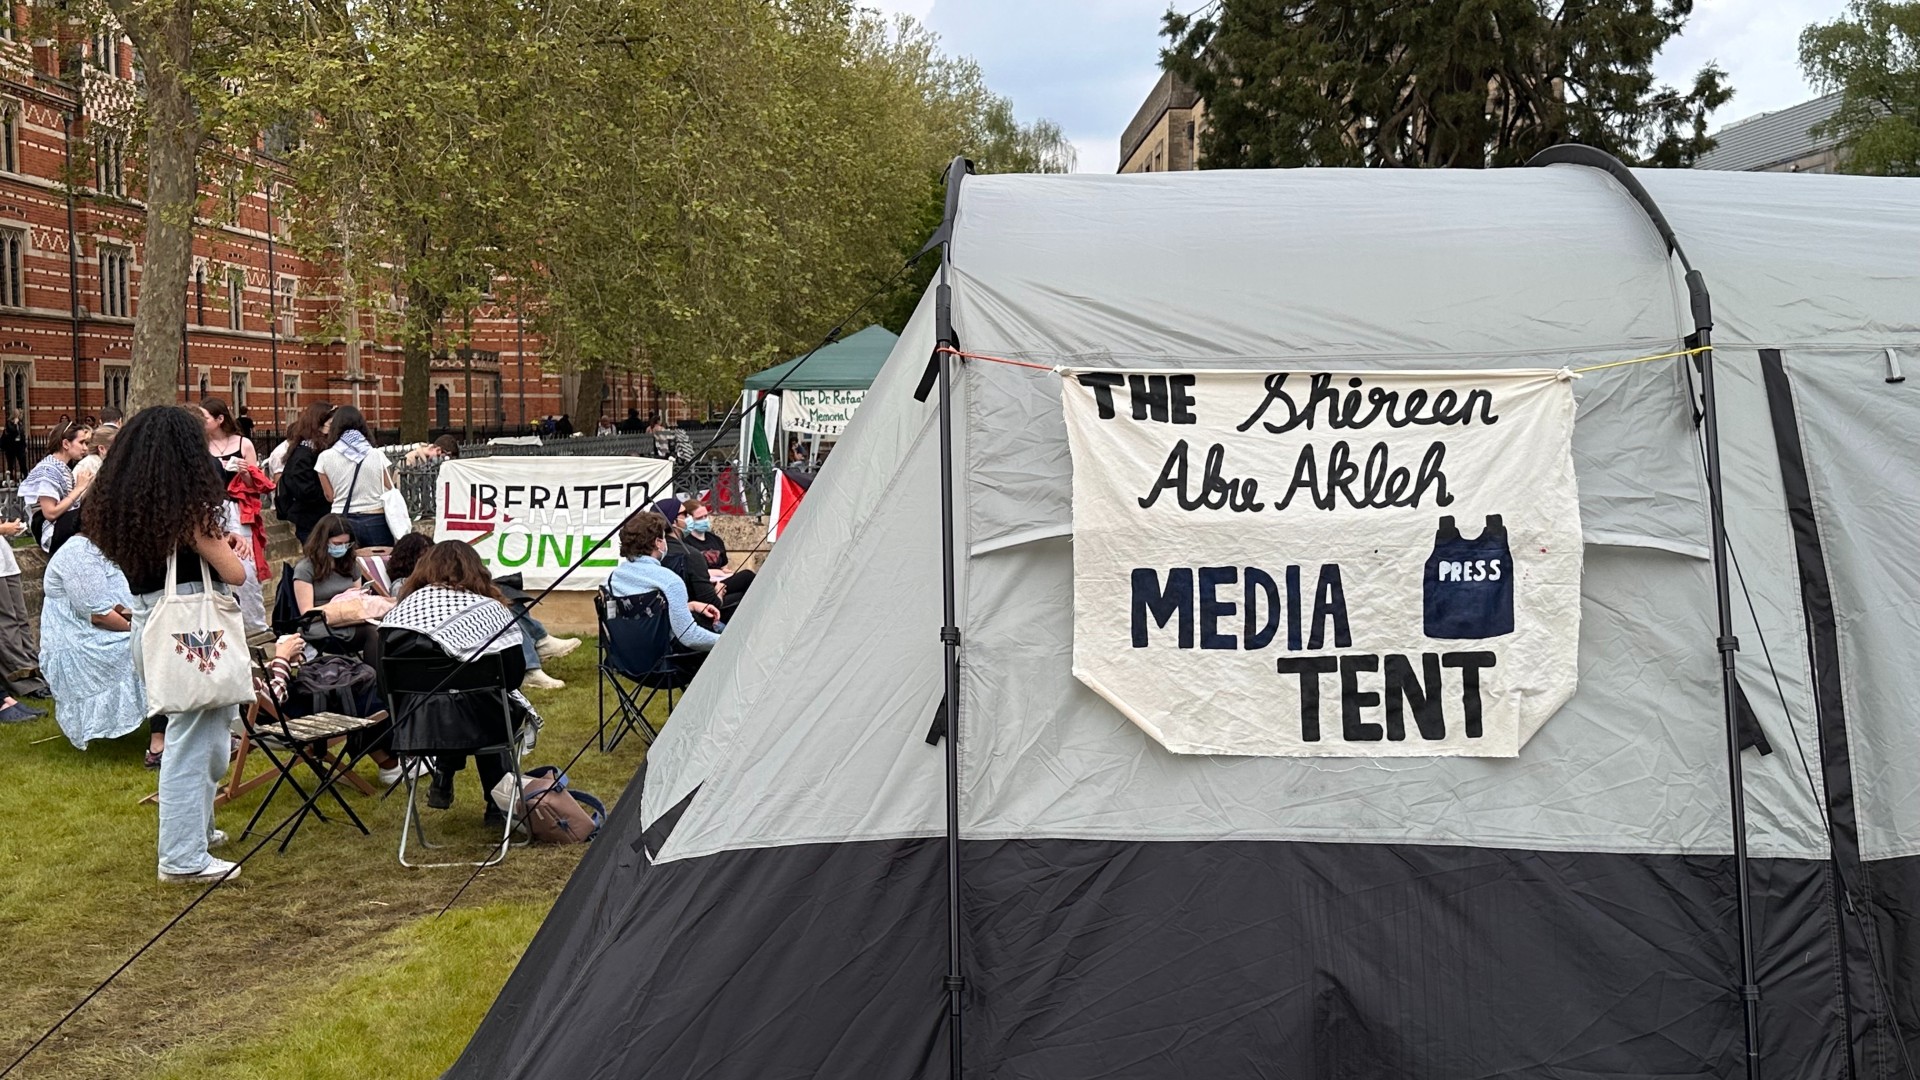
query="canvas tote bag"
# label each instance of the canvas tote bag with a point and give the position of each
(193, 649)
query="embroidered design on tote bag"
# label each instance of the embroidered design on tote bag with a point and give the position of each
(201, 648)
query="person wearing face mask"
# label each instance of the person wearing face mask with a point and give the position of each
(704, 542)
(643, 540)
(682, 559)
(328, 566)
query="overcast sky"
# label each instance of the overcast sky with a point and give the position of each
(1088, 63)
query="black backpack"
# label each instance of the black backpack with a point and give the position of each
(336, 684)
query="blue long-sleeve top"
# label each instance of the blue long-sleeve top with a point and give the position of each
(645, 574)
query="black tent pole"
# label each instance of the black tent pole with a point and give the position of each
(944, 340)
(1727, 645)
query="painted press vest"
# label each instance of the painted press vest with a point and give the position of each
(1469, 583)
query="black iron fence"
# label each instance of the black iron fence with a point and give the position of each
(417, 482)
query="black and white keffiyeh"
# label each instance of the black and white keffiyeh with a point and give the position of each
(461, 623)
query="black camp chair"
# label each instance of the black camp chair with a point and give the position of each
(442, 706)
(637, 653)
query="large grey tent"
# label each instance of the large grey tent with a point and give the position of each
(770, 898)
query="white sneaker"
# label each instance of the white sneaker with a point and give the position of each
(217, 839)
(415, 767)
(540, 680)
(553, 648)
(216, 870)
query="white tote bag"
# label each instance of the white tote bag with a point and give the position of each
(394, 505)
(193, 649)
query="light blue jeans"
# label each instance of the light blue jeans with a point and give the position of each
(195, 760)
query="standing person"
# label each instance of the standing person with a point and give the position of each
(235, 453)
(50, 490)
(300, 499)
(563, 427)
(19, 645)
(98, 444)
(244, 423)
(159, 502)
(354, 476)
(224, 438)
(13, 444)
(632, 425)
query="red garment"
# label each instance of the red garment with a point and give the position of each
(247, 489)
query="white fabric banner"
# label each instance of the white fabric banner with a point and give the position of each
(1326, 563)
(536, 516)
(821, 412)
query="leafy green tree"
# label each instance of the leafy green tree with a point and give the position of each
(1451, 83)
(410, 122)
(1871, 55)
(183, 50)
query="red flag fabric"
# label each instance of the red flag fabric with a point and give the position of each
(786, 499)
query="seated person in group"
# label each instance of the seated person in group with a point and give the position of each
(682, 559)
(329, 565)
(278, 685)
(401, 559)
(699, 537)
(86, 650)
(450, 598)
(643, 540)
(536, 645)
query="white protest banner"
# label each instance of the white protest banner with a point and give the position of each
(1311, 563)
(821, 412)
(536, 516)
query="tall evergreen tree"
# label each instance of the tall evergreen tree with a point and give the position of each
(1451, 83)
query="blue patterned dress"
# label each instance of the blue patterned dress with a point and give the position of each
(95, 691)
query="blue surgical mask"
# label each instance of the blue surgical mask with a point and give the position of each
(338, 551)
(700, 526)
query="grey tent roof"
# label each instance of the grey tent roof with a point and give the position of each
(1771, 138)
(793, 732)
(847, 364)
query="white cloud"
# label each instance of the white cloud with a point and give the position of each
(1757, 45)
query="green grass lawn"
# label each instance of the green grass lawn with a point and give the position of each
(327, 961)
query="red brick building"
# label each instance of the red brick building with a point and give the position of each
(262, 322)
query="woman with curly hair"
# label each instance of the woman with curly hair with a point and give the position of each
(159, 500)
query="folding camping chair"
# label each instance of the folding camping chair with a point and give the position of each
(309, 740)
(636, 653)
(442, 705)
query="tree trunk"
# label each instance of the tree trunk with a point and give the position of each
(416, 353)
(589, 397)
(165, 40)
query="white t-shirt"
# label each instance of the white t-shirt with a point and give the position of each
(277, 461)
(9, 565)
(365, 496)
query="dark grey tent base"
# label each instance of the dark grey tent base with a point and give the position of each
(1218, 959)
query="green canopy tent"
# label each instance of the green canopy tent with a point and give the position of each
(818, 392)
